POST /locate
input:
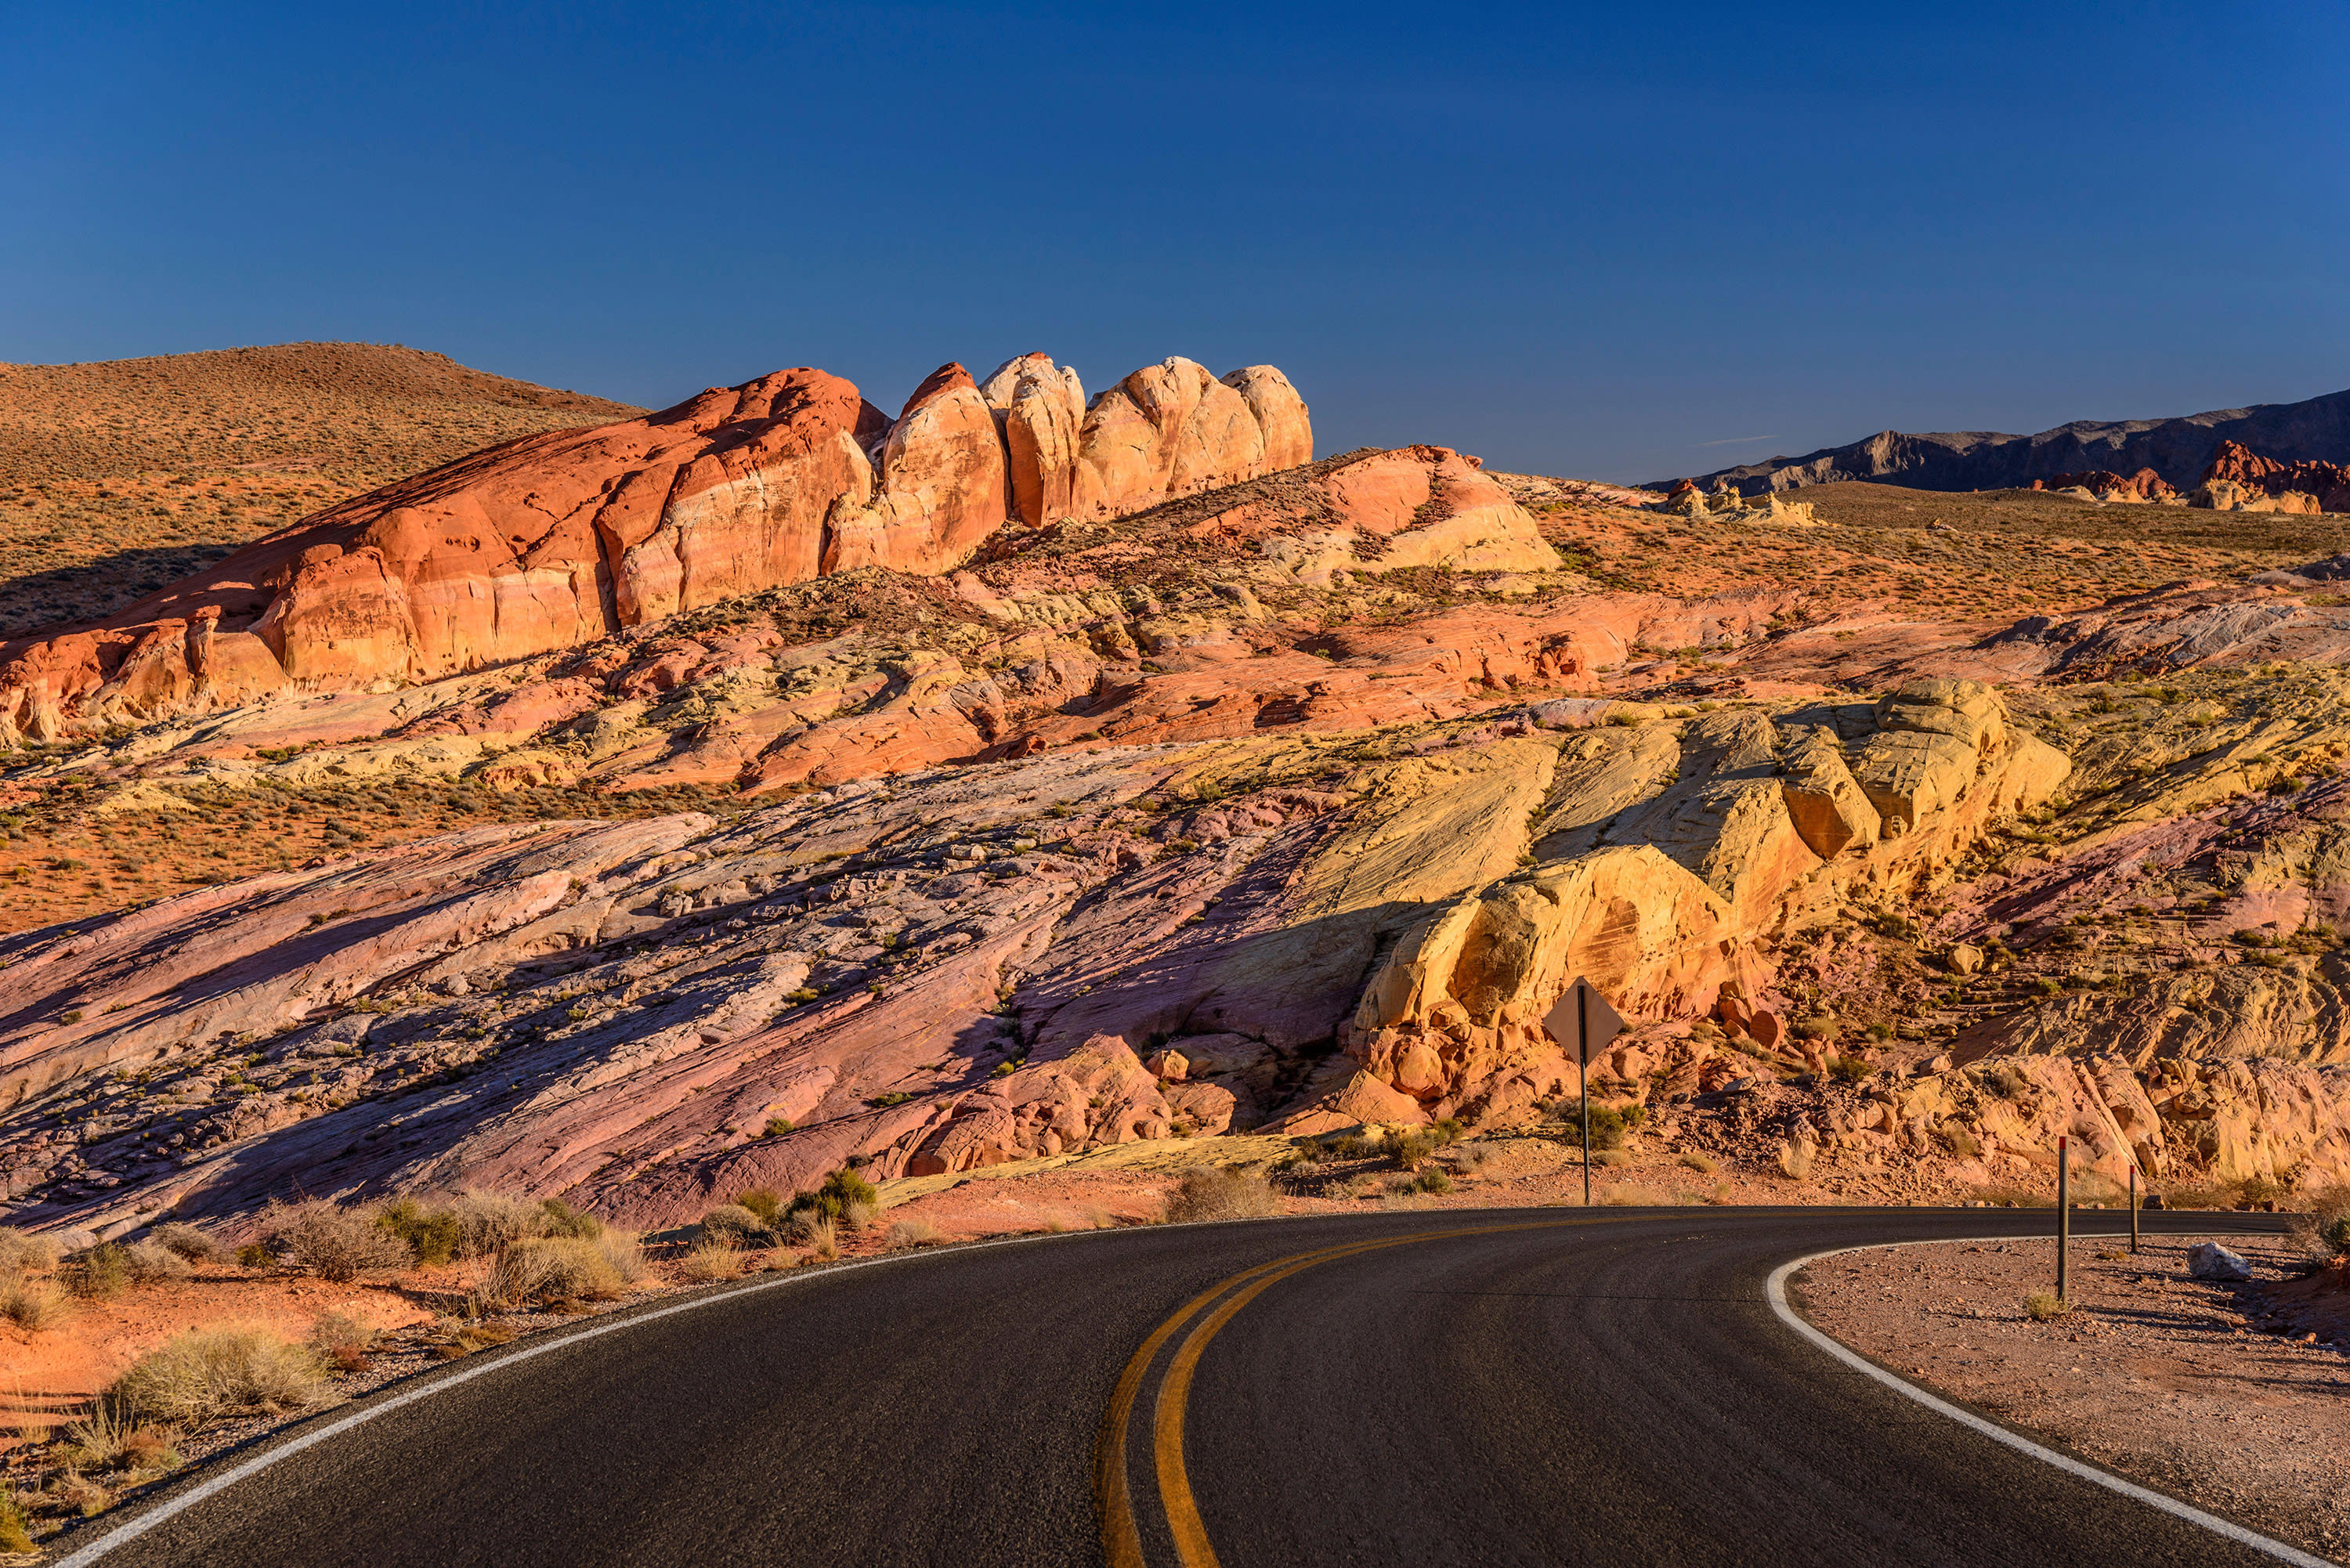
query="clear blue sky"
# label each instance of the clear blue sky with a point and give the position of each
(1621, 241)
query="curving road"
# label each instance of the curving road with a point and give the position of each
(1460, 1387)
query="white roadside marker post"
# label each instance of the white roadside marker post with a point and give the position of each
(2133, 1207)
(2064, 1221)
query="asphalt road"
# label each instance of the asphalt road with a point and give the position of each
(1458, 1386)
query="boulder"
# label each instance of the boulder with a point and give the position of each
(1281, 415)
(943, 485)
(2211, 1260)
(1168, 428)
(1829, 808)
(1042, 408)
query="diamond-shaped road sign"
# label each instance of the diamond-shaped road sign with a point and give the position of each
(1582, 1022)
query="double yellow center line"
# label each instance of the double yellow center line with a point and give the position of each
(1121, 1540)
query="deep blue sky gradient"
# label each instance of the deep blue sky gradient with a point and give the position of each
(1611, 241)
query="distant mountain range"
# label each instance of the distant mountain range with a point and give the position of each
(2178, 449)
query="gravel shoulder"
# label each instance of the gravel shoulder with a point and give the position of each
(2229, 1395)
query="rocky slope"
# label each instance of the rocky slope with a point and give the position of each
(555, 540)
(2176, 450)
(120, 477)
(1285, 804)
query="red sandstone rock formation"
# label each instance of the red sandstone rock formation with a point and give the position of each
(558, 539)
(2240, 476)
(2143, 485)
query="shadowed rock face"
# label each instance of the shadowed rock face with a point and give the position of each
(555, 540)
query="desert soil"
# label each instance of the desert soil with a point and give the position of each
(2229, 1395)
(120, 477)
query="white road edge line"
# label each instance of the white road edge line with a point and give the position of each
(131, 1529)
(1777, 1291)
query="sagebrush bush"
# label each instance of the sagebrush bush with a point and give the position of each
(187, 1241)
(334, 1243)
(841, 1189)
(1408, 1149)
(1433, 1180)
(556, 1217)
(539, 1270)
(150, 1262)
(97, 1274)
(2044, 1305)
(488, 1220)
(430, 1234)
(209, 1373)
(623, 1252)
(1207, 1194)
(767, 1205)
(14, 1536)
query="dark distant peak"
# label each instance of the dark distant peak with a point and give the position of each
(2178, 449)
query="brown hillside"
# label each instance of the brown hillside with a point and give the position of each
(120, 476)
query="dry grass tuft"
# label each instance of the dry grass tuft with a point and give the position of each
(343, 1341)
(23, 1252)
(711, 1260)
(34, 1304)
(1703, 1164)
(2321, 1231)
(209, 1373)
(913, 1232)
(150, 1262)
(1205, 1194)
(2045, 1305)
(540, 1271)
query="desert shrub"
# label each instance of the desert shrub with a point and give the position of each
(2045, 1305)
(733, 1226)
(1446, 1131)
(538, 1271)
(766, 1205)
(1960, 1142)
(335, 1243)
(1206, 1194)
(430, 1234)
(857, 1214)
(913, 1232)
(254, 1255)
(1433, 1180)
(1611, 1156)
(1350, 1145)
(1630, 1196)
(1819, 1027)
(1704, 1164)
(97, 1274)
(488, 1220)
(1608, 1126)
(208, 1373)
(624, 1252)
(342, 1341)
(150, 1263)
(821, 1234)
(21, 1252)
(559, 1219)
(1847, 1069)
(2321, 1231)
(14, 1536)
(33, 1305)
(187, 1241)
(1409, 1149)
(711, 1260)
(840, 1189)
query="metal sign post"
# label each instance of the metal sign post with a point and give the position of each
(2133, 1205)
(1583, 1076)
(2063, 1221)
(1581, 1018)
